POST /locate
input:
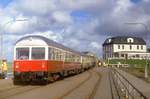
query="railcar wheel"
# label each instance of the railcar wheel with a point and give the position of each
(61, 75)
(65, 73)
(45, 82)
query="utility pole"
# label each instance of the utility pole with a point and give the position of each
(2, 34)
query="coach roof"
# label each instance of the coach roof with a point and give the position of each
(124, 40)
(48, 42)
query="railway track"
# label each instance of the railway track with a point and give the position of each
(76, 87)
(92, 94)
(9, 92)
(10, 88)
(94, 88)
(115, 92)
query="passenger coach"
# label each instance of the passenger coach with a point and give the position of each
(37, 58)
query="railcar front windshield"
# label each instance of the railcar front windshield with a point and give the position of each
(22, 53)
(38, 53)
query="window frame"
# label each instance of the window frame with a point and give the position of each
(118, 46)
(138, 47)
(130, 47)
(15, 53)
(38, 47)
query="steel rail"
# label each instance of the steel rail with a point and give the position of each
(80, 84)
(93, 93)
(115, 84)
(120, 77)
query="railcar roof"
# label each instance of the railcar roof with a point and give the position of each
(123, 40)
(49, 43)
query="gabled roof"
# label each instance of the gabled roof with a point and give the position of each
(123, 40)
(49, 43)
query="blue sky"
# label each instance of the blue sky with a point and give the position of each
(5, 2)
(82, 25)
(135, 1)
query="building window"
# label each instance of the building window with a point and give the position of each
(137, 46)
(137, 55)
(122, 55)
(130, 47)
(130, 40)
(118, 46)
(122, 46)
(142, 47)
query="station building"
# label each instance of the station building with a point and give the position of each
(125, 47)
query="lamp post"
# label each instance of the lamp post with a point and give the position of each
(1, 39)
(146, 28)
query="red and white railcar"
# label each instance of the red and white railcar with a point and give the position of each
(37, 58)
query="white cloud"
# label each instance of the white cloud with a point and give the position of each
(50, 17)
(72, 43)
(62, 17)
(36, 7)
(49, 34)
(95, 45)
(122, 6)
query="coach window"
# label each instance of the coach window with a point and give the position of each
(70, 57)
(49, 53)
(22, 53)
(59, 56)
(75, 58)
(54, 54)
(67, 56)
(38, 53)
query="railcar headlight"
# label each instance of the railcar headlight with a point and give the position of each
(43, 65)
(17, 66)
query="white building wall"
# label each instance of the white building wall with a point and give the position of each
(108, 51)
(127, 48)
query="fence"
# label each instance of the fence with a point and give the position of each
(127, 89)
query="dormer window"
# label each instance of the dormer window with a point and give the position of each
(130, 40)
(109, 40)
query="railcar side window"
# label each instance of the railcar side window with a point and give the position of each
(49, 53)
(22, 53)
(38, 53)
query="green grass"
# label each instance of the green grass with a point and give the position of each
(132, 62)
(136, 67)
